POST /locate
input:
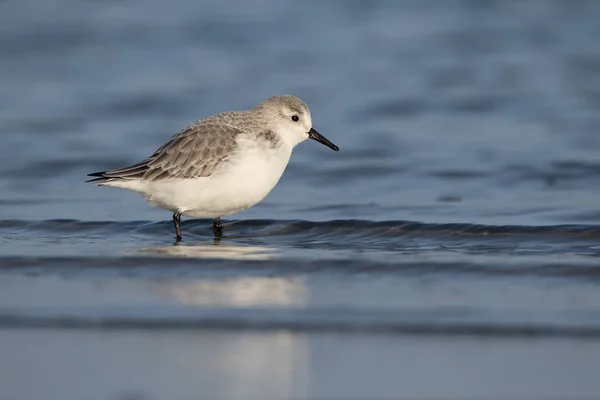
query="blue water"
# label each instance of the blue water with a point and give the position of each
(458, 228)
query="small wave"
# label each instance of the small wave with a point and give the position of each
(281, 227)
(162, 263)
(433, 322)
(284, 247)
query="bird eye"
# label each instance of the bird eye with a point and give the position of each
(295, 118)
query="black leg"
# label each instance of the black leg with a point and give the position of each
(217, 228)
(177, 222)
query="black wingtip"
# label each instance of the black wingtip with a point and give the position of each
(100, 176)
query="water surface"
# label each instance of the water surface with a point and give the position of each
(451, 249)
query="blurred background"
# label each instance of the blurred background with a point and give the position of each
(449, 250)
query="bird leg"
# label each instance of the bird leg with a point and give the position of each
(217, 228)
(177, 222)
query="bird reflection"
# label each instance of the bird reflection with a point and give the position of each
(246, 291)
(216, 249)
(282, 356)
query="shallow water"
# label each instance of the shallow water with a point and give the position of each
(451, 249)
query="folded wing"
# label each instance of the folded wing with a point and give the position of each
(197, 151)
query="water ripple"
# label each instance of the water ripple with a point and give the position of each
(392, 228)
(450, 321)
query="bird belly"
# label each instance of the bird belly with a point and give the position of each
(240, 184)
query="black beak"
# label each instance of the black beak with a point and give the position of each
(321, 139)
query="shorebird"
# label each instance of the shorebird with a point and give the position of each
(220, 165)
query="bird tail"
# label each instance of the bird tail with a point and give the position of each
(100, 175)
(132, 172)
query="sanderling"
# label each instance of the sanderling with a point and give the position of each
(220, 165)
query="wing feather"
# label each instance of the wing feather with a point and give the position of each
(196, 151)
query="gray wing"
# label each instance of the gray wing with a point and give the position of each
(197, 151)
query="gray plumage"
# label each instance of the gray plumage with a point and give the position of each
(194, 152)
(199, 149)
